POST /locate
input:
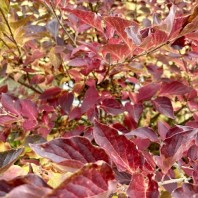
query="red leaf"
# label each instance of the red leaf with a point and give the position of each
(129, 122)
(120, 127)
(174, 146)
(118, 52)
(120, 24)
(88, 17)
(187, 190)
(78, 62)
(37, 79)
(73, 152)
(157, 37)
(134, 111)
(163, 128)
(163, 105)
(30, 113)
(144, 133)
(6, 119)
(7, 158)
(177, 26)
(3, 89)
(112, 106)
(65, 101)
(75, 113)
(28, 191)
(10, 104)
(167, 24)
(122, 151)
(147, 92)
(155, 71)
(28, 109)
(191, 22)
(37, 54)
(174, 88)
(7, 184)
(90, 99)
(90, 181)
(143, 187)
(50, 93)
(193, 153)
(29, 124)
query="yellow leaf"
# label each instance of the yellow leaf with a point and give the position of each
(20, 23)
(55, 58)
(3, 28)
(165, 194)
(57, 179)
(5, 6)
(4, 146)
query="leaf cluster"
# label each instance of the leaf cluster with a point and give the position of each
(98, 98)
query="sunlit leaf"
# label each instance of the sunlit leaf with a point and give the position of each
(92, 180)
(88, 17)
(120, 25)
(118, 52)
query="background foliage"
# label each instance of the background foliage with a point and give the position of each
(98, 98)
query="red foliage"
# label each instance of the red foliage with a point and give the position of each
(102, 94)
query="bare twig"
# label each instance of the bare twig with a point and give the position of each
(60, 23)
(10, 30)
(7, 46)
(173, 181)
(150, 51)
(26, 85)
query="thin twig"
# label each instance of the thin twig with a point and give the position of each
(149, 52)
(173, 181)
(26, 85)
(10, 30)
(60, 23)
(7, 46)
(66, 71)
